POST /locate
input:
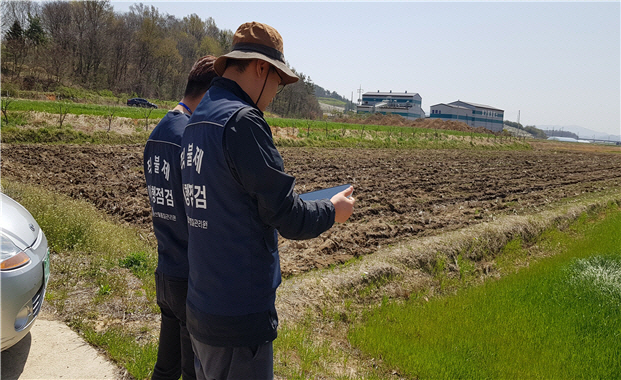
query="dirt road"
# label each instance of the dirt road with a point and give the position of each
(52, 351)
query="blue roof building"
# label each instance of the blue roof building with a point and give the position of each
(404, 104)
(473, 114)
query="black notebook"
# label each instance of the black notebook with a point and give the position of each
(323, 193)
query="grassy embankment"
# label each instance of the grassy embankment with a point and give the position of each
(21, 129)
(560, 318)
(333, 135)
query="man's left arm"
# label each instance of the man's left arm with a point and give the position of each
(258, 167)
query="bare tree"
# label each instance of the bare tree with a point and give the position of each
(63, 109)
(16, 46)
(297, 100)
(146, 112)
(6, 101)
(110, 111)
(17, 11)
(91, 19)
(119, 59)
(58, 57)
(85, 43)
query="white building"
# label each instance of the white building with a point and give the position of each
(473, 114)
(405, 104)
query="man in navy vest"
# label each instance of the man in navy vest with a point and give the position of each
(162, 169)
(237, 199)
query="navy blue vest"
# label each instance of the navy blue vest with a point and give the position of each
(234, 264)
(237, 196)
(163, 176)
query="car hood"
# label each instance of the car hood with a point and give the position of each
(17, 223)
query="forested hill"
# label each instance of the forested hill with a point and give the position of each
(320, 92)
(86, 44)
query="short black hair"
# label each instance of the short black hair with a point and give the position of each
(239, 64)
(200, 77)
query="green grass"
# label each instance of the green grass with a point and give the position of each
(137, 358)
(299, 354)
(84, 109)
(332, 102)
(53, 134)
(309, 354)
(558, 319)
(334, 128)
(78, 226)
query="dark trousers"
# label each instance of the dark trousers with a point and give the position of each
(233, 363)
(174, 355)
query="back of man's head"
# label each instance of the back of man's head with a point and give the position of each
(200, 77)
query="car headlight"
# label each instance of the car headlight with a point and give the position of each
(11, 257)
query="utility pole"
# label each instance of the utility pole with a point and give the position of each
(351, 103)
(518, 117)
(360, 94)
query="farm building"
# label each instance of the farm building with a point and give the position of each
(395, 103)
(473, 114)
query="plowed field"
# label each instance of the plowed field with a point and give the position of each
(400, 193)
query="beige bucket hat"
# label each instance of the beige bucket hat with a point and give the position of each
(254, 40)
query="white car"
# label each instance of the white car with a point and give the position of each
(24, 271)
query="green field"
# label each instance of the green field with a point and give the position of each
(558, 319)
(314, 133)
(54, 107)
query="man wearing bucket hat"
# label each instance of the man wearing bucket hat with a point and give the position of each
(237, 199)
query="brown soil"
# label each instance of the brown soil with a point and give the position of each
(400, 193)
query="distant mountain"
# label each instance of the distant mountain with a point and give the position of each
(581, 132)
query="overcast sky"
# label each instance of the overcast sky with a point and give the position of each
(554, 63)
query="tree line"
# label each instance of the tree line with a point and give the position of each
(533, 130)
(141, 52)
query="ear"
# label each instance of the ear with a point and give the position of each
(261, 67)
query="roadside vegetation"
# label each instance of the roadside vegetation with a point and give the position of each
(332, 102)
(68, 135)
(101, 287)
